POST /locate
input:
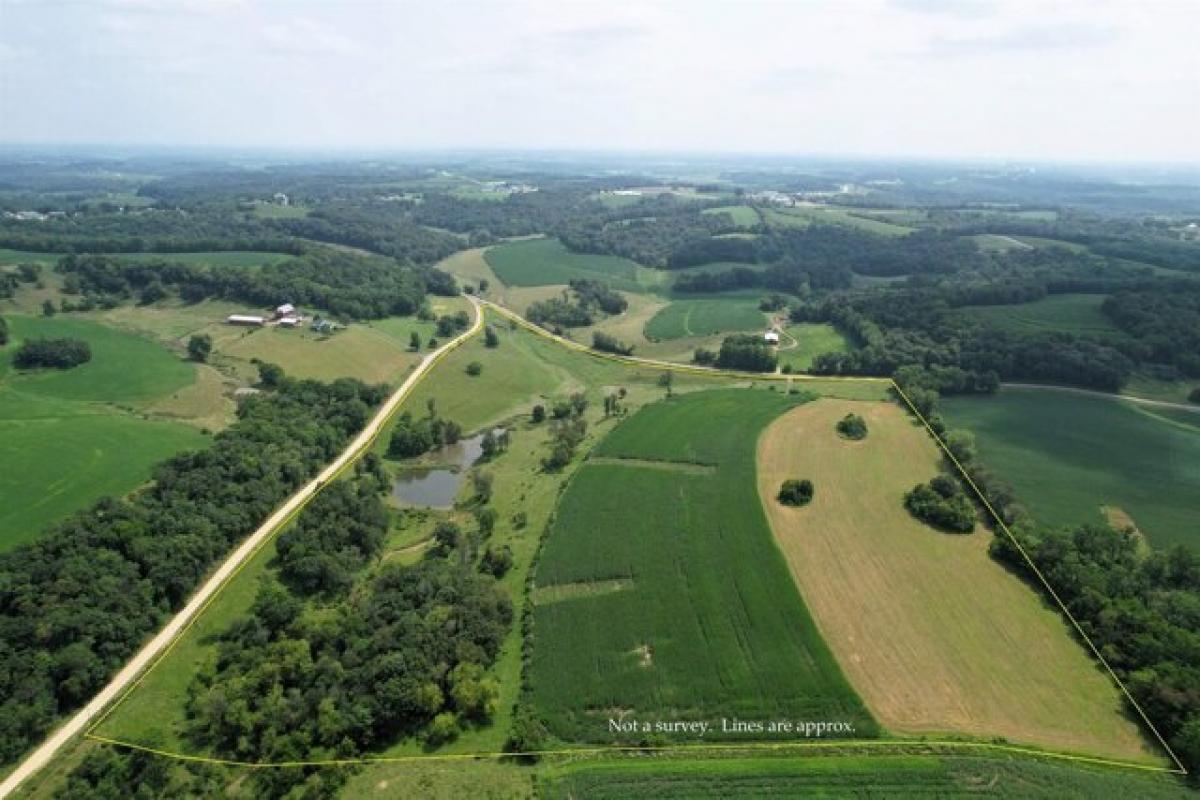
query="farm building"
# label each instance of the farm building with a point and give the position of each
(289, 321)
(245, 319)
(771, 337)
(285, 310)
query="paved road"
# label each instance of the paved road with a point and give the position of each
(1143, 401)
(79, 722)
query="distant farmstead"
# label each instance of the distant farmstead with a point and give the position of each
(245, 319)
(285, 310)
(771, 337)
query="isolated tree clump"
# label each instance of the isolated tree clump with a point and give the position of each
(490, 339)
(1194, 396)
(796, 492)
(3, 332)
(942, 504)
(199, 347)
(852, 426)
(53, 353)
(474, 369)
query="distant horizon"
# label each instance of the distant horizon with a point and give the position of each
(1090, 82)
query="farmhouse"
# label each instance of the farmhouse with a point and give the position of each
(285, 310)
(245, 319)
(771, 337)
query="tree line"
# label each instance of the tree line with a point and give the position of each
(77, 602)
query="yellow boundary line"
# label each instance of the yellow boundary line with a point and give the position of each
(833, 743)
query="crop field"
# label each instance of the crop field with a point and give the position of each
(62, 442)
(743, 216)
(711, 624)
(684, 318)
(124, 367)
(367, 352)
(1067, 454)
(935, 635)
(812, 339)
(1070, 313)
(859, 776)
(540, 262)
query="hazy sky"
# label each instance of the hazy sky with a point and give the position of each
(1087, 80)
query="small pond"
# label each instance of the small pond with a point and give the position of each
(436, 487)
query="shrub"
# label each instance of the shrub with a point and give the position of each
(490, 339)
(474, 369)
(610, 344)
(852, 426)
(796, 492)
(1195, 395)
(942, 504)
(199, 347)
(539, 413)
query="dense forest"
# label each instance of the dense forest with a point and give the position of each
(344, 284)
(77, 602)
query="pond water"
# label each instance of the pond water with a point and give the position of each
(436, 487)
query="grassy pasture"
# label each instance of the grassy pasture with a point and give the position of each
(845, 776)
(1067, 454)
(539, 262)
(124, 367)
(935, 635)
(683, 318)
(743, 216)
(62, 441)
(812, 339)
(1070, 313)
(802, 216)
(995, 242)
(711, 624)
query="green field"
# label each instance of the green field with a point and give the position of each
(812, 339)
(707, 621)
(1070, 313)
(847, 776)
(683, 318)
(743, 216)
(545, 262)
(998, 243)
(802, 216)
(220, 258)
(1067, 454)
(62, 442)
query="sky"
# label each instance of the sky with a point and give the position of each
(1087, 80)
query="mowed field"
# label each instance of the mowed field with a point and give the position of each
(743, 216)
(684, 318)
(935, 636)
(542, 262)
(64, 442)
(1067, 454)
(1070, 313)
(703, 619)
(811, 340)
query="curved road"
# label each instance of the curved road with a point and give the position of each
(155, 647)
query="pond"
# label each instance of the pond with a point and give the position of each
(436, 487)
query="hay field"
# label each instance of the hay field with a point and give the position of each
(935, 635)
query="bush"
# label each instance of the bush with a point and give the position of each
(796, 492)
(56, 353)
(539, 413)
(942, 504)
(852, 426)
(199, 347)
(1194, 396)
(610, 344)
(490, 339)
(474, 369)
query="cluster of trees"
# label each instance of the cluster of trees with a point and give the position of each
(610, 344)
(1165, 320)
(745, 352)
(450, 324)
(796, 492)
(569, 428)
(590, 297)
(345, 284)
(852, 426)
(3, 332)
(378, 226)
(412, 437)
(77, 602)
(52, 353)
(648, 233)
(942, 504)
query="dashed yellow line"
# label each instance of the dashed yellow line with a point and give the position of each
(881, 744)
